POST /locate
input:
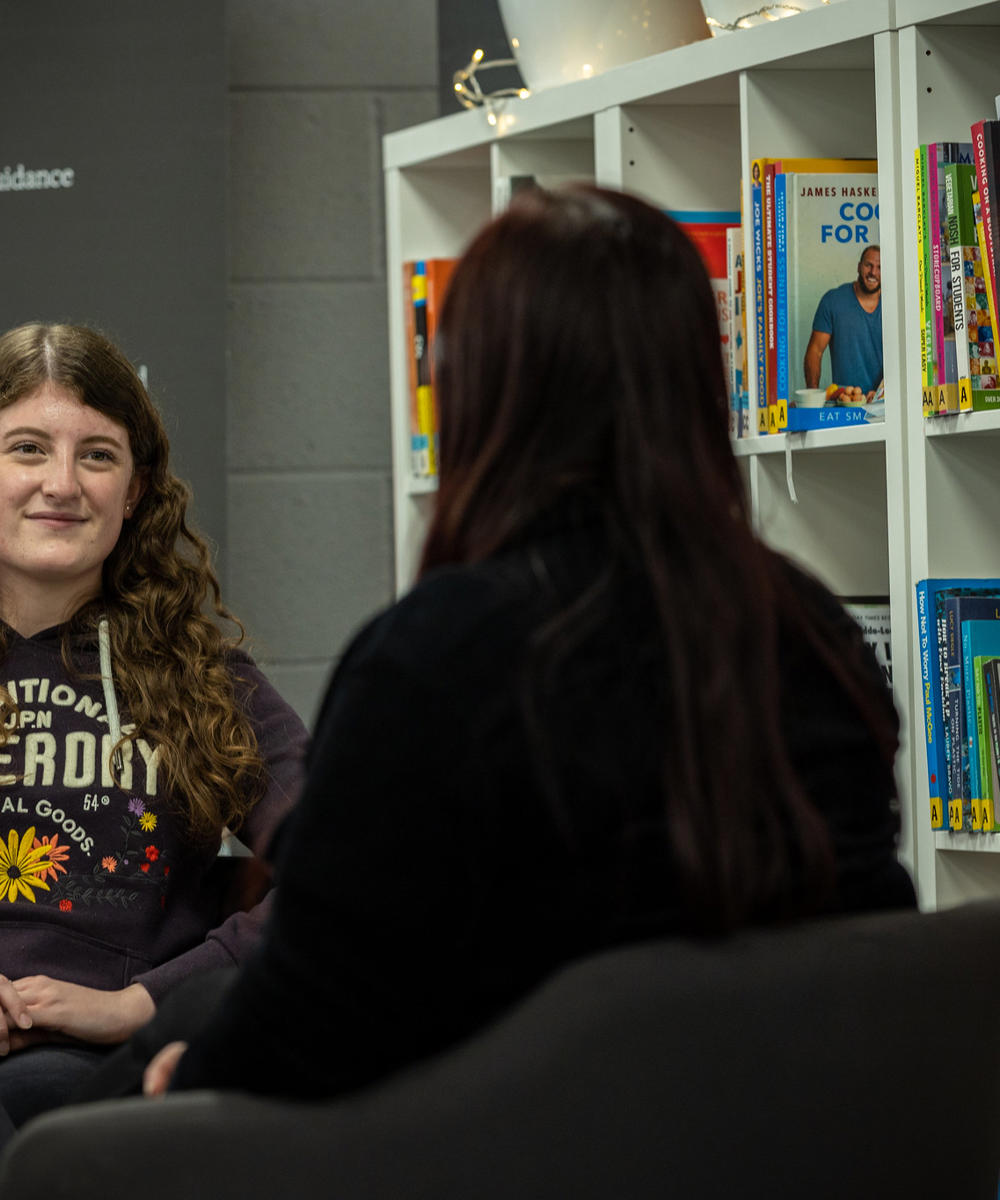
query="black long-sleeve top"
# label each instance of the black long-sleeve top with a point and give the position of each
(427, 879)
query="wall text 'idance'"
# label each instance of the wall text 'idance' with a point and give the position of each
(20, 179)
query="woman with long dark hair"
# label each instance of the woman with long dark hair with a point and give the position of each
(606, 711)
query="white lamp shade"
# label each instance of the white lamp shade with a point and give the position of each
(557, 41)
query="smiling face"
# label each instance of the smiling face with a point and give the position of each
(67, 481)
(870, 271)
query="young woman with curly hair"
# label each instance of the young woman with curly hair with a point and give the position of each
(133, 731)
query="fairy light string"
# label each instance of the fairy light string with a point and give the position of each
(470, 94)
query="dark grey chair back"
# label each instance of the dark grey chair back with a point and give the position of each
(850, 1058)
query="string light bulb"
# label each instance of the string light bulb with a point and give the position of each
(469, 93)
(770, 12)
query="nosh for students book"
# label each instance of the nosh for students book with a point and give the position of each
(978, 385)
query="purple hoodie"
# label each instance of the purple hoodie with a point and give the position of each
(99, 885)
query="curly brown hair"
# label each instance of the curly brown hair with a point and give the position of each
(170, 658)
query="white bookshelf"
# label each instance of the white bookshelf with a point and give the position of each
(875, 507)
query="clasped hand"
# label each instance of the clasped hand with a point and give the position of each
(38, 1008)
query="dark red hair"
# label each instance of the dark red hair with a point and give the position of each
(578, 349)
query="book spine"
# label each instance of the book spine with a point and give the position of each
(781, 301)
(927, 406)
(959, 817)
(972, 791)
(439, 272)
(982, 156)
(935, 308)
(734, 273)
(986, 330)
(421, 348)
(956, 263)
(760, 338)
(418, 453)
(991, 686)
(979, 320)
(942, 717)
(991, 206)
(949, 155)
(927, 643)
(769, 300)
(979, 720)
(744, 366)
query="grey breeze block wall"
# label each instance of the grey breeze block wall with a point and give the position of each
(313, 86)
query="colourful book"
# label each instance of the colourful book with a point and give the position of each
(932, 267)
(428, 279)
(707, 228)
(990, 745)
(772, 171)
(987, 328)
(832, 416)
(982, 157)
(422, 353)
(419, 444)
(979, 723)
(759, 300)
(781, 301)
(961, 611)
(944, 377)
(979, 388)
(830, 219)
(958, 179)
(737, 336)
(774, 425)
(920, 187)
(930, 594)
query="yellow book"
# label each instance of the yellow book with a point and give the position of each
(928, 400)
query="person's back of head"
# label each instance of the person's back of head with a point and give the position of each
(579, 351)
(578, 344)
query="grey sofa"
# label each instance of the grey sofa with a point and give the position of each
(854, 1057)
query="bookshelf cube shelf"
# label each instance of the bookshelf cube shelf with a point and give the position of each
(869, 509)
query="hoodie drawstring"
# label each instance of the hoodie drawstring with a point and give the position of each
(110, 699)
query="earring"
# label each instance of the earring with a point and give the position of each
(128, 509)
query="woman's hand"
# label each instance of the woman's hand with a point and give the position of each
(14, 1016)
(161, 1067)
(53, 1006)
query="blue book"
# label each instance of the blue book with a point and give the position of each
(962, 612)
(979, 638)
(832, 416)
(931, 594)
(781, 298)
(760, 331)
